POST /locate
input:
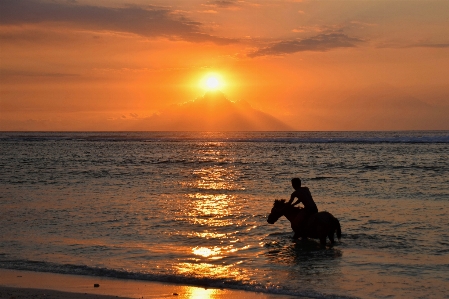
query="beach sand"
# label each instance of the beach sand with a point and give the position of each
(37, 285)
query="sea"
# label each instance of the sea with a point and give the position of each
(192, 207)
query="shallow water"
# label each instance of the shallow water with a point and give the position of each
(192, 208)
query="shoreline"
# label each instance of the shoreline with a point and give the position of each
(21, 284)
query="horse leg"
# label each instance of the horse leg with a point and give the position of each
(296, 236)
(321, 232)
(331, 237)
(323, 241)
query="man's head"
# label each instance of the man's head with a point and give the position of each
(296, 183)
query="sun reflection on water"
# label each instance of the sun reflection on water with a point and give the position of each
(216, 178)
(201, 270)
(198, 293)
(213, 210)
(213, 213)
(208, 235)
(216, 252)
(206, 252)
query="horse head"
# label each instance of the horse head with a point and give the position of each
(277, 211)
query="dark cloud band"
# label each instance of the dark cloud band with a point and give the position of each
(321, 42)
(151, 21)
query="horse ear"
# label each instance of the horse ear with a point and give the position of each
(279, 201)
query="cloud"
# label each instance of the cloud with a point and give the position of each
(210, 11)
(321, 42)
(441, 45)
(223, 4)
(403, 45)
(151, 21)
(316, 29)
(15, 73)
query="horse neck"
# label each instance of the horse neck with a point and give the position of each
(291, 213)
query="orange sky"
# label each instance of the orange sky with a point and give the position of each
(314, 65)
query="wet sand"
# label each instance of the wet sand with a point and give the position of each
(37, 285)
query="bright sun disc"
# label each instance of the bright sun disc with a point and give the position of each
(212, 82)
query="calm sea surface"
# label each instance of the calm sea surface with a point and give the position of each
(192, 208)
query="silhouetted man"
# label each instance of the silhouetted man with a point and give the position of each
(303, 194)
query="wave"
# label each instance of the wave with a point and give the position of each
(319, 178)
(216, 137)
(39, 266)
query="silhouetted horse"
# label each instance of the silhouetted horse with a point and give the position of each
(318, 226)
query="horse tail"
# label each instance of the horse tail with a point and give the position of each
(337, 224)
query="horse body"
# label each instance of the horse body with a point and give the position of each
(318, 226)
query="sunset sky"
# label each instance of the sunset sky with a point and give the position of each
(314, 65)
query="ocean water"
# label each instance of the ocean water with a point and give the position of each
(191, 207)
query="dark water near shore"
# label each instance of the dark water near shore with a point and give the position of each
(192, 207)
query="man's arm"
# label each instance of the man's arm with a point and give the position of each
(297, 202)
(292, 197)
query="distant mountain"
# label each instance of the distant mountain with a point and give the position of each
(383, 97)
(384, 107)
(212, 112)
(376, 107)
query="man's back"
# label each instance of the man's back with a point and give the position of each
(303, 194)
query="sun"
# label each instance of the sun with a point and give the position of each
(212, 82)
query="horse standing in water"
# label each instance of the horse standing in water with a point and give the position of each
(319, 225)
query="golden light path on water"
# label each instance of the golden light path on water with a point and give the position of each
(213, 209)
(215, 177)
(210, 209)
(199, 293)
